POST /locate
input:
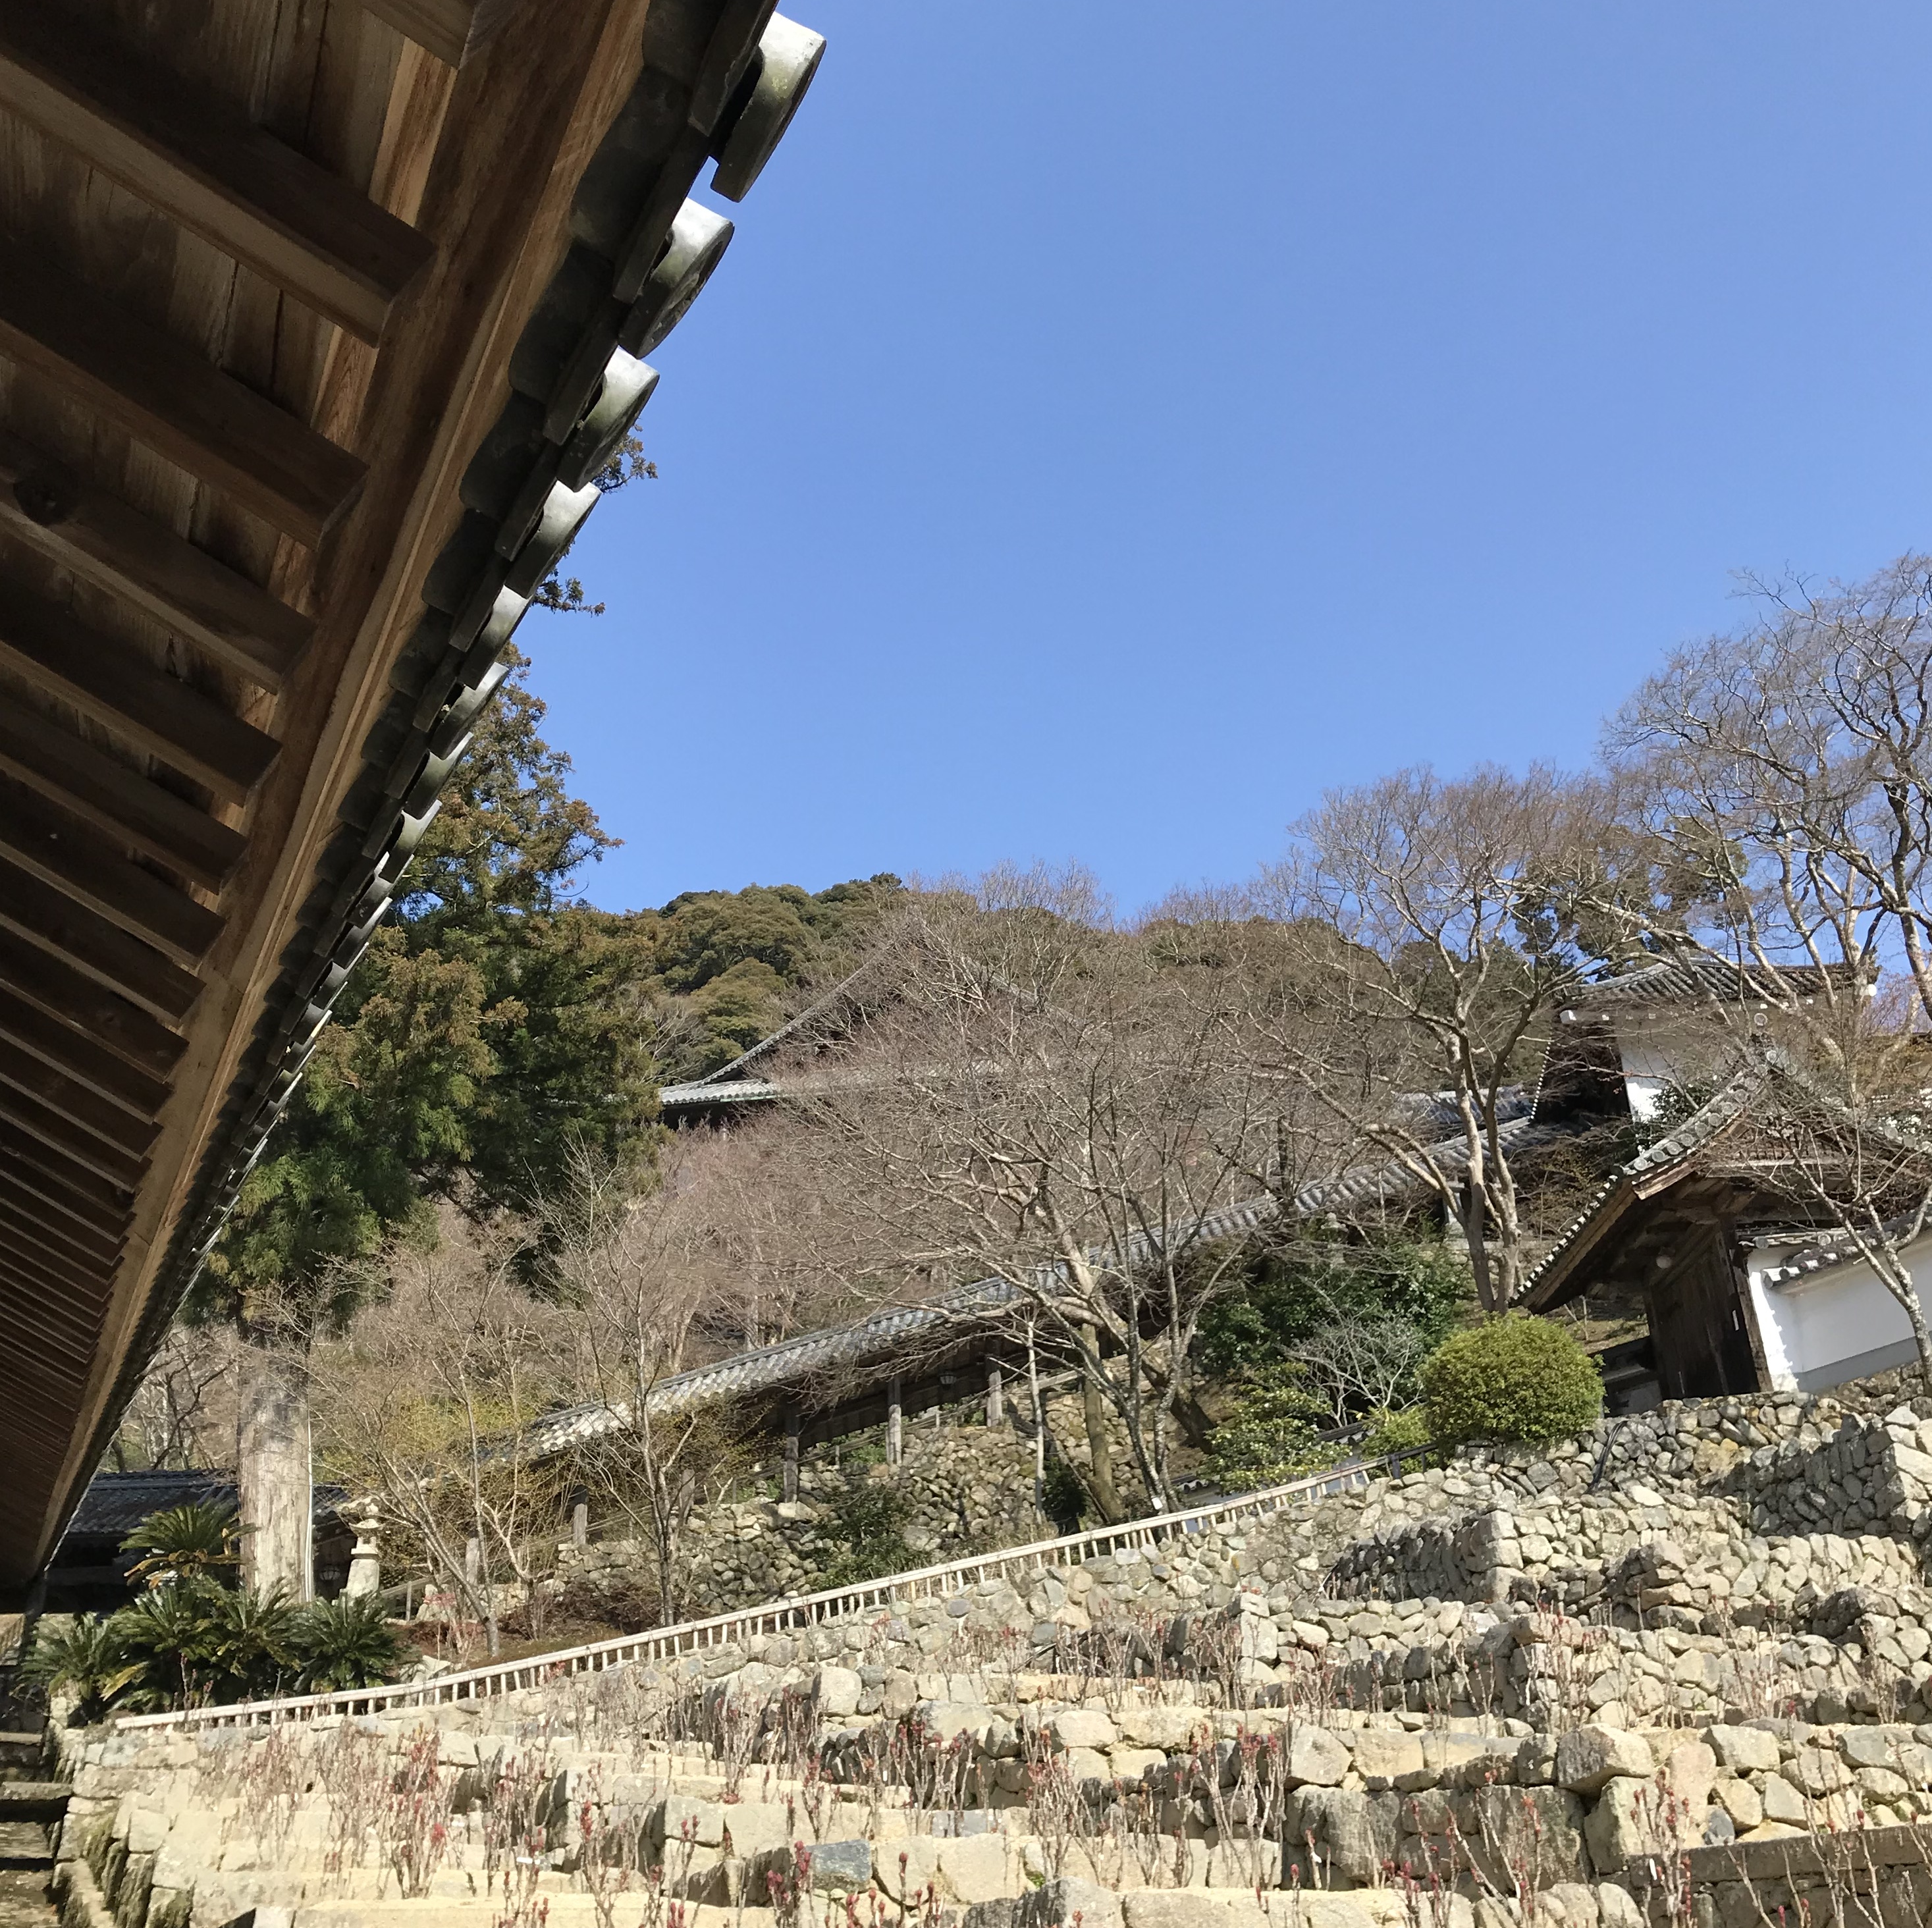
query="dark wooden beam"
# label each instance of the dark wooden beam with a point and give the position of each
(75, 1102)
(77, 1182)
(102, 789)
(444, 27)
(163, 393)
(93, 1256)
(117, 687)
(104, 1014)
(90, 1063)
(45, 1387)
(203, 163)
(103, 952)
(37, 1194)
(59, 1268)
(30, 1114)
(143, 562)
(56, 846)
(34, 1344)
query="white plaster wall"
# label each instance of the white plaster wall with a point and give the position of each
(1649, 1063)
(1830, 1326)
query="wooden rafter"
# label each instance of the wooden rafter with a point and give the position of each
(116, 686)
(53, 922)
(101, 1197)
(102, 1071)
(165, 394)
(99, 537)
(89, 1256)
(64, 851)
(104, 1014)
(111, 796)
(109, 1123)
(205, 164)
(442, 26)
(82, 1146)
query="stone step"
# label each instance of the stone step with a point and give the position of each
(19, 1750)
(33, 1800)
(24, 1844)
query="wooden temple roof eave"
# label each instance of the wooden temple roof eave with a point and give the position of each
(502, 151)
(497, 134)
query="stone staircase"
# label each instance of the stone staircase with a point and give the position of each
(31, 1808)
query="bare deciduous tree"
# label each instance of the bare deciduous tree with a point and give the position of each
(427, 1405)
(1041, 1103)
(1422, 931)
(638, 1273)
(184, 1406)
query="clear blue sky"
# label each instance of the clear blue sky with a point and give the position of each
(1115, 424)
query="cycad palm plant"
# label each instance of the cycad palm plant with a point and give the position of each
(85, 1657)
(200, 1540)
(346, 1643)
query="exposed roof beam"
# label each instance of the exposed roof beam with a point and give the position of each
(118, 687)
(60, 850)
(100, 537)
(205, 164)
(83, 1146)
(48, 917)
(104, 1014)
(89, 1254)
(112, 797)
(70, 1351)
(74, 1102)
(88, 1190)
(38, 1194)
(449, 28)
(63, 1272)
(100, 1069)
(164, 394)
(79, 1299)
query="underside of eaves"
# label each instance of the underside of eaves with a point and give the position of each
(317, 320)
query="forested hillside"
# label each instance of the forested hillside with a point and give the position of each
(500, 1023)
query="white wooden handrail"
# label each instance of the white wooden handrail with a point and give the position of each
(663, 1643)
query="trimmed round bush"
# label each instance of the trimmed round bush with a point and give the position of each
(1517, 1378)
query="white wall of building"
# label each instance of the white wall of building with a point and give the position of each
(1824, 1327)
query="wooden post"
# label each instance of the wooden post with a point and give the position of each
(580, 1524)
(895, 1421)
(996, 1399)
(791, 1453)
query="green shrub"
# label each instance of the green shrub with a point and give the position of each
(1406, 1431)
(866, 1528)
(1517, 1378)
(1063, 1496)
(1269, 1434)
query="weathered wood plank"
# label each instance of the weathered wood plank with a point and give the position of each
(95, 1256)
(24, 1163)
(56, 846)
(87, 1188)
(85, 1109)
(203, 163)
(119, 688)
(83, 1146)
(34, 1383)
(100, 537)
(146, 1044)
(51, 919)
(90, 1064)
(69, 1334)
(33, 1257)
(441, 25)
(120, 801)
(163, 393)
